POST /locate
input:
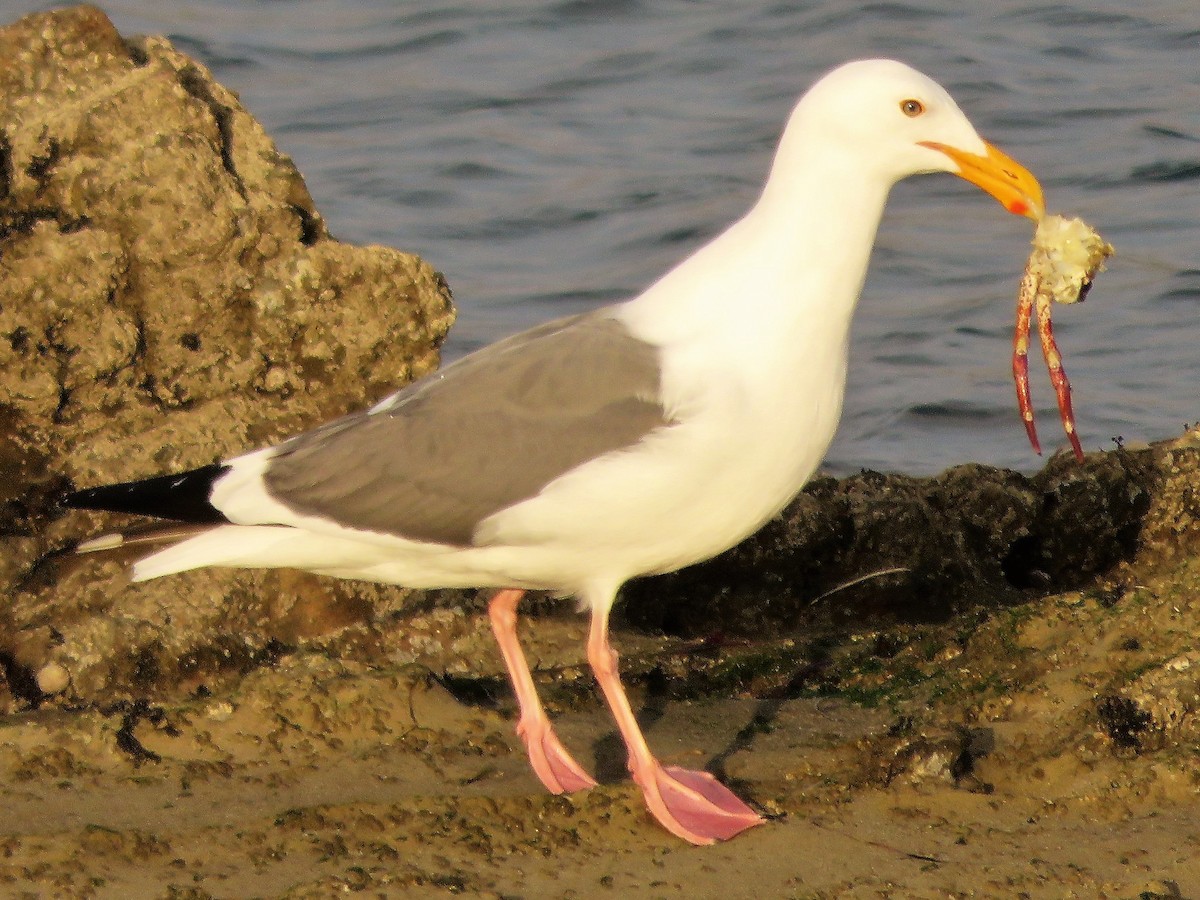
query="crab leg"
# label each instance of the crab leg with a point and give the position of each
(1020, 359)
(1058, 376)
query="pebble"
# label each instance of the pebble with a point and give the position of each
(53, 678)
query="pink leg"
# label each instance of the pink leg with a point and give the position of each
(691, 805)
(551, 762)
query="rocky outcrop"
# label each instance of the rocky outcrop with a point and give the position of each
(168, 296)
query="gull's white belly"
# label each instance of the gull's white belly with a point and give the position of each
(685, 494)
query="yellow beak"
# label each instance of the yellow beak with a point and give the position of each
(999, 175)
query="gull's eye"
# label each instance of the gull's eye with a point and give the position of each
(912, 108)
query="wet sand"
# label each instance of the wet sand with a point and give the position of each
(967, 767)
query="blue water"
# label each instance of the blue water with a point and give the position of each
(552, 156)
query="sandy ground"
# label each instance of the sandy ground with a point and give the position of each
(955, 771)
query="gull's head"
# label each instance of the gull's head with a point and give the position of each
(897, 122)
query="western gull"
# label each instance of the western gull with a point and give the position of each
(632, 440)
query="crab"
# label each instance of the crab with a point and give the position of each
(1067, 255)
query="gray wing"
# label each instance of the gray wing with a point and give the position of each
(485, 433)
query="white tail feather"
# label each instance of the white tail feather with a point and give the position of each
(238, 546)
(259, 547)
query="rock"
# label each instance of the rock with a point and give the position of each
(168, 296)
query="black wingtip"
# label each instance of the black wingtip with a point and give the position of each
(182, 498)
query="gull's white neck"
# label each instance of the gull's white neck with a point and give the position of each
(754, 327)
(786, 275)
